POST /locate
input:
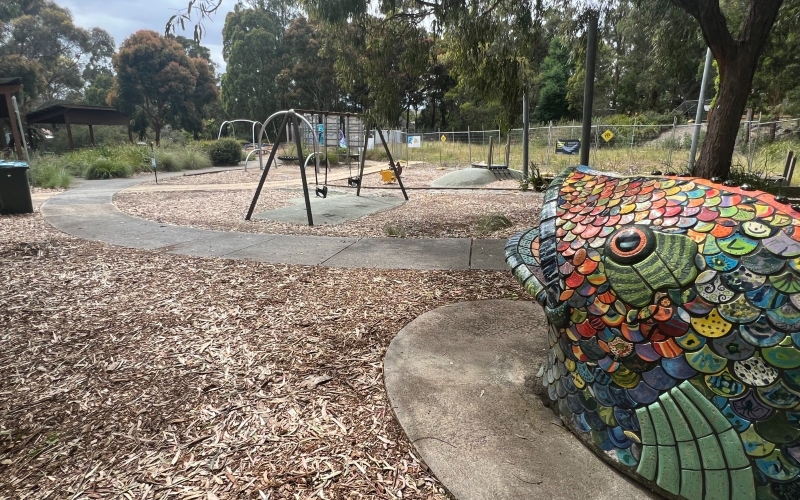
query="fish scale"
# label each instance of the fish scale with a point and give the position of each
(675, 348)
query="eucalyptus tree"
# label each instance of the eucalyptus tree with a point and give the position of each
(40, 43)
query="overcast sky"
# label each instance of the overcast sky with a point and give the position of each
(122, 18)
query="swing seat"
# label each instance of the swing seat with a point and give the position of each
(322, 192)
(387, 176)
(354, 181)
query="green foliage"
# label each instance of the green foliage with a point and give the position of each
(48, 174)
(555, 73)
(168, 161)
(107, 168)
(251, 50)
(97, 91)
(194, 159)
(157, 79)
(225, 152)
(40, 42)
(535, 179)
(376, 154)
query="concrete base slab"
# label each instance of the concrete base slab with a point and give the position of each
(461, 380)
(335, 209)
(471, 177)
(400, 253)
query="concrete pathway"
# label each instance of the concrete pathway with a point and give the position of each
(461, 380)
(87, 212)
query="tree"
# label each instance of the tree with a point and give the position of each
(154, 75)
(55, 58)
(307, 79)
(555, 73)
(737, 60)
(251, 39)
(96, 94)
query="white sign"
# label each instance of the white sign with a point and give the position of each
(415, 141)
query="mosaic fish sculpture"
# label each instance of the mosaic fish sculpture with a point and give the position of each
(673, 306)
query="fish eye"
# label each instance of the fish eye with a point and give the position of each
(630, 244)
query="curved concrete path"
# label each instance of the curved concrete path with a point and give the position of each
(461, 380)
(88, 212)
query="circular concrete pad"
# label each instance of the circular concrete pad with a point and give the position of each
(472, 177)
(461, 380)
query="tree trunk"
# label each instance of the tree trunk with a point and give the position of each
(737, 60)
(736, 78)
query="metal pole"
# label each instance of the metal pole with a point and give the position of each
(21, 130)
(363, 159)
(549, 141)
(588, 89)
(672, 142)
(299, 145)
(391, 163)
(439, 138)
(271, 159)
(633, 138)
(525, 135)
(700, 104)
(596, 142)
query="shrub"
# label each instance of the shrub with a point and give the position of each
(394, 231)
(106, 168)
(168, 161)
(194, 159)
(377, 154)
(225, 152)
(49, 175)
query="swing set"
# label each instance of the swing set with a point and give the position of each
(292, 122)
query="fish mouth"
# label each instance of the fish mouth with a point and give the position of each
(537, 268)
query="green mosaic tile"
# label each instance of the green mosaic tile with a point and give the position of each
(690, 458)
(732, 447)
(692, 484)
(743, 484)
(680, 427)
(669, 475)
(714, 416)
(717, 487)
(696, 419)
(648, 464)
(646, 426)
(711, 453)
(663, 433)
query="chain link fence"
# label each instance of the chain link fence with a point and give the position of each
(637, 148)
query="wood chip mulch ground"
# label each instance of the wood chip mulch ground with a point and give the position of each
(427, 214)
(136, 374)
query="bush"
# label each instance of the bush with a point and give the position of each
(49, 175)
(194, 159)
(168, 161)
(106, 168)
(225, 152)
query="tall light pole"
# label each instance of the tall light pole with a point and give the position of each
(588, 88)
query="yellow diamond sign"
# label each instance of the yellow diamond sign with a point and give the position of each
(607, 135)
(444, 139)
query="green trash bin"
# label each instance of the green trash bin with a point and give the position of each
(15, 193)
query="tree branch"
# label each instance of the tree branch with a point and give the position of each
(758, 23)
(713, 25)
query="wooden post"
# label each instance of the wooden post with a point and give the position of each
(91, 135)
(15, 132)
(747, 126)
(69, 131)
(130, 134)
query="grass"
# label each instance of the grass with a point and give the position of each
(113, 161)
(48, 175)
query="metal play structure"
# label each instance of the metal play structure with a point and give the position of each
(258, 147)
(315, 129)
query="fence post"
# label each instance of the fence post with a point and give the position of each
(633, 138)
(549, 139)
(671, 143)
(596, 142)
(469, 145)
(439, 138)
